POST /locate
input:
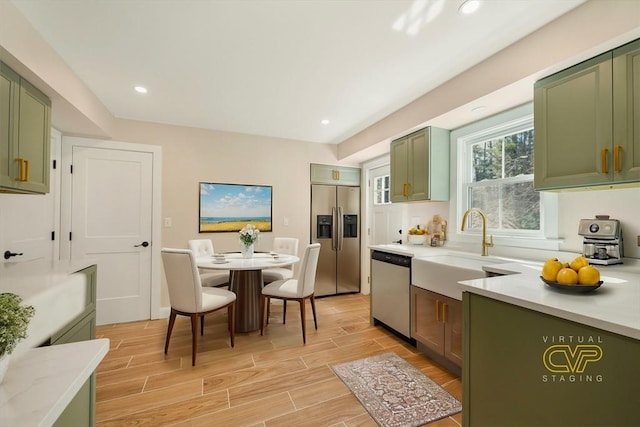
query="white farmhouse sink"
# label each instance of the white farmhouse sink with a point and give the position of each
(55, 306)
(442, 273)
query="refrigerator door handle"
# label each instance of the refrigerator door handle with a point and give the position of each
(340, 228)
(334, 226)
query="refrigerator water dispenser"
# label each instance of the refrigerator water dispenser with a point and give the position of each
(324, 225)
(350, 224)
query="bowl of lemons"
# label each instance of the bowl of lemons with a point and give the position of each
(575, 276)
(417, 235)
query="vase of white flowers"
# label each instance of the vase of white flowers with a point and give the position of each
(14, 320)
(248, 236)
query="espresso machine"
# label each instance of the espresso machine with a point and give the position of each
(602, 243)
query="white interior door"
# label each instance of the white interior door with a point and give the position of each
(111, 218)
(386, 219)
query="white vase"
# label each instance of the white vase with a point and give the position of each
(246, 250)
(4, 365)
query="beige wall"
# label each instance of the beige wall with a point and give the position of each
(193, 155)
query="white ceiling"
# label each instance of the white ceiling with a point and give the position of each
(276, 67)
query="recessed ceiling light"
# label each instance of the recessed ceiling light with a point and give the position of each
(140, 89)
(325, 121)
(469, 6)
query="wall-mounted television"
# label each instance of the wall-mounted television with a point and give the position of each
(229, 207)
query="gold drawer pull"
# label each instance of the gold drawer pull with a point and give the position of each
(616, 159)
(603, 160)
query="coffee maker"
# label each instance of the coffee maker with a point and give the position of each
(602, 243)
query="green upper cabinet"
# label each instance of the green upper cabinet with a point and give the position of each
(626, 107)
(334, 175)
(420, 166)
(25, 122)
(586, 132)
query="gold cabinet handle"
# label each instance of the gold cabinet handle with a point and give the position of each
(616, 159)
(445, 312)
(23, 171)
(437, 310)
(603, 160)
(336, 175)
(405, 189)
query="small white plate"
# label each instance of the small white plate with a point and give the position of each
(222, 261)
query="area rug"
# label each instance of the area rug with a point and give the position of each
(394, 392)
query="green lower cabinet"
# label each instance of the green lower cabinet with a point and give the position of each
(81, 410)
(525, 368)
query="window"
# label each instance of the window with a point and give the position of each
(497, 177)
(381, 190)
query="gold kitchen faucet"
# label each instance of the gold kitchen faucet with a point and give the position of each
(485, 244)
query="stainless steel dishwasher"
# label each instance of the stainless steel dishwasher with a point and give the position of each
(390, 291)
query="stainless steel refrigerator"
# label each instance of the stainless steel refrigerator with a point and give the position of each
(335, 224)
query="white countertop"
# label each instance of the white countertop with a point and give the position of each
(614, 307)
(40, 385)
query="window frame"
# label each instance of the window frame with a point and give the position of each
(465, 177)
(547, 238)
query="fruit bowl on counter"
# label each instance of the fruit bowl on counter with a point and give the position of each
(417, 239)
(576, 276)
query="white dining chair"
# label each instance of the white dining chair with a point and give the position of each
(282, 246)
(216, 278)
(299, 289)
(188, 298)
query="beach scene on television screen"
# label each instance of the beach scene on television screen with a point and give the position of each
(229, 207)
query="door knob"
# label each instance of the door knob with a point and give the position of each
(9, 254)
(143, 244)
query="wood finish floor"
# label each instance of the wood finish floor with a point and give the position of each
(270, 380)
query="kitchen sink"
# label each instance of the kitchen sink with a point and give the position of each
(442, 273)
(54, 306)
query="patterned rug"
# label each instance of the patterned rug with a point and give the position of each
(394, 392)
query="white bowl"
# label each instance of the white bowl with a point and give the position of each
(417, 239)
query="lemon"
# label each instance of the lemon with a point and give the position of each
(588, 275)
(578, 262)
(550, 269)
(567, 276)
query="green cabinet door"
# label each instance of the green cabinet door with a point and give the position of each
(25, 123)
(420, 166)
(626, 108)
(399, 169)
(34, 138)
(335, 175)
(9, 93)
(574, 126)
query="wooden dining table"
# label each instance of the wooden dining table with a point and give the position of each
(245, 280)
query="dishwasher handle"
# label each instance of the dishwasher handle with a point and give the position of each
(389, 258)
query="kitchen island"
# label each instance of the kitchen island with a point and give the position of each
(537, 356)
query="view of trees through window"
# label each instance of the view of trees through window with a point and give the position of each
(501, 182)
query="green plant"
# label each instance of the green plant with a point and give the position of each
(14, 319)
